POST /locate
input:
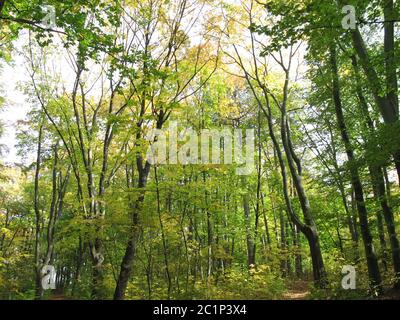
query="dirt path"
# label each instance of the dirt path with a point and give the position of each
(298, 290)
(58, 296)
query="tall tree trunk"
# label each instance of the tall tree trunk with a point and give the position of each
(390, 16)
(210, 236)
(127, 262)
(78, 267)
(38, 263)
(266, 225)
(387, 104)
(164, 242)
(298, 256)
(372, 261)
(249, 237)
(310, 230)
(377, 174)
(382, 240)
(283, 245)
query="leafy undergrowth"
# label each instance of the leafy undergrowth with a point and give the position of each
(235, 284)
(258, 284)
(358, 294)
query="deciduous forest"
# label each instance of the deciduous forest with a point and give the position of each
(199, 149)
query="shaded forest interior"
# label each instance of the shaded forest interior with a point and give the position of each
(200, 149)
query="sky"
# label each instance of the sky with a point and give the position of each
(15, 107)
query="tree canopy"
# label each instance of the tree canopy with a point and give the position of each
(201, 149)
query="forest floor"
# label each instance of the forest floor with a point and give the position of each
(58, 296)
(390, 294)
(298, 290)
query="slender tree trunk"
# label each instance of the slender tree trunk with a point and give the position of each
(310, 230)
(289, 251)
(283, 246)
(164, 243)
(210, 237)
(127, 262)
(382, 240)
(390, 15)
(356, 224)
(377, 174)
(266, 225)
(298, 256)
(38, 263)
(387, 104)
(372, 261)
(249, 238)
(78, 267)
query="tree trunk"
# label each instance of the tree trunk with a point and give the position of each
(298, 256)
(377, 174)
(283, 247)
(310, 230)
(382, 241)
(127, 262)
(38, 263)
(249, 239)
(372, 261)
(387, 104)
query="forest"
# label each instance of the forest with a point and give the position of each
(199, 150)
